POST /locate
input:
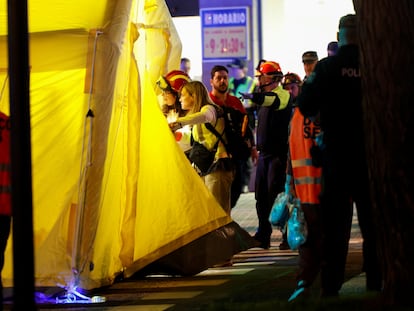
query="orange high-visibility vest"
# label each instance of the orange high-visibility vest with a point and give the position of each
(306, 177)
(5, 166)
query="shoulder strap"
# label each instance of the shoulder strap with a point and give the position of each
(218, 135)
(211, 128)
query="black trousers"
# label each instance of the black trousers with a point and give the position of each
(310, 251)
(346, 183)
(270, 181)
(241, 178)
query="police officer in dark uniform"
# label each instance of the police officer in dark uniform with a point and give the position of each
(334, 91)
(274, 110)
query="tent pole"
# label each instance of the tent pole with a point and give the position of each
(23, 258)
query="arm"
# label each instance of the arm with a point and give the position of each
(249, 136)
(276, 99)
(207, 114)
(289, 182)
(263, 99)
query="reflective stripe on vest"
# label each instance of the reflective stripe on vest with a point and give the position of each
(5, 167)
(306, 177)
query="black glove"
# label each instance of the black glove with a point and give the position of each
(246, 95)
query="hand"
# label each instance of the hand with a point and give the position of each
(290, 187)
(175, 126)
(254, 155)
(246, 95)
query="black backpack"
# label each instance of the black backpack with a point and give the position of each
(236, 130)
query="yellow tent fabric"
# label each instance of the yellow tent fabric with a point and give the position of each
(111, 188)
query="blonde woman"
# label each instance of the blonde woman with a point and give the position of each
(201, 111)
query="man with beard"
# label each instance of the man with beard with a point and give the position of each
(219, 94)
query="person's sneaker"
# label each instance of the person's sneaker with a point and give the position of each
(301, 291)
(284, 246)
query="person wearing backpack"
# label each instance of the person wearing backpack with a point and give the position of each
(219, 94)
(201, 112)
(274, 111)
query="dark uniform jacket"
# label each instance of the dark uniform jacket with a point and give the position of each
(273, 122)
(334, 90)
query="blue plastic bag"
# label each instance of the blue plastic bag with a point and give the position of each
(280, 211)
(297, 230)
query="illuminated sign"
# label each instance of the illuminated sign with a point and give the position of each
(225, 33)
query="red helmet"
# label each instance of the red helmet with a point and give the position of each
(270, 68)
(173, 81)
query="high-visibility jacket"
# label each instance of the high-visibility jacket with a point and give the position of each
(306, 177)
(5, 166)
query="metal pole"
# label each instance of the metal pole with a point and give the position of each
(259, 30)
(23, 258)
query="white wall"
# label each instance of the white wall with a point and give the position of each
(290, 27)
(189, 30)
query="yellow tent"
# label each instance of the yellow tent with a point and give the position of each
(112, 191)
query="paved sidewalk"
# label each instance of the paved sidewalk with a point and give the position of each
(258, 278)
(244, 213)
